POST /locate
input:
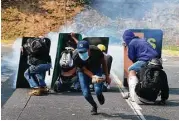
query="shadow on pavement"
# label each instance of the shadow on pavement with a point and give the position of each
(174, 91)
(120, 115)
(172, 103)
(66, 93)
(124, 116)
(149, 117)
(7, 89)
(169, 103)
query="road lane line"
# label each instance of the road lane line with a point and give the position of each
(135, 107)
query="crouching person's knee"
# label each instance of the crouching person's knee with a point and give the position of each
(98, 90)
(132, 73)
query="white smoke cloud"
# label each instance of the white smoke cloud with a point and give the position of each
(10, 62)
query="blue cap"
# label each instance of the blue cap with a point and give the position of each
(82, 46)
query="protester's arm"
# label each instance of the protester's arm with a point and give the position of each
(74, 38)
(95, 78)
(105, 69)
(87, 72)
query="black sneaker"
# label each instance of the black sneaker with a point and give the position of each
(94, 111)
(101, 99)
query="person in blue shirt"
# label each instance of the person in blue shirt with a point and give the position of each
(139, 52)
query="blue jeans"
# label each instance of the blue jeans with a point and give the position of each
(85, 82)
(137, 66)
(37, 72)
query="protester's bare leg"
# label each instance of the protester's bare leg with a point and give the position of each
(132, 73)
(132, 81)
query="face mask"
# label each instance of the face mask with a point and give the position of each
(84, 56)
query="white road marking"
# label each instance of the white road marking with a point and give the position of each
(135, 107)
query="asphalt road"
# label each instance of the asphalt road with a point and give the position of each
(73, 105)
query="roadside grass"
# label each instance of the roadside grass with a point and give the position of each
(171, 50)
(7, 42)
(171, 47)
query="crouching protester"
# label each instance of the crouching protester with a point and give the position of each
(108, 59)
(37, 51)
(68, 79)
(88, 60)
(146, 78)
(152, 83)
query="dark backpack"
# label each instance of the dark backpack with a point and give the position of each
(152, 82)
(37, 46)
